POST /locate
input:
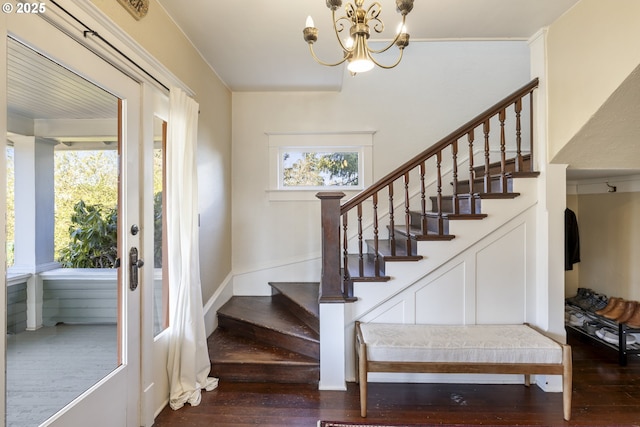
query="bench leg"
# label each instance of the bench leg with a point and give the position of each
(363, 397)
(362, 378)
(567, 381)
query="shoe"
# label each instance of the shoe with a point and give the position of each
(592, 326)
(599, 302)
(582, 294)
(629, 309)
(634, 321)
(587, 301)
(612, 303)
(610, 336)
(577, 319)
(617, 310)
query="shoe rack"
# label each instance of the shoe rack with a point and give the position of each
(587, 329)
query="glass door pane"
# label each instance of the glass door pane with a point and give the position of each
(160, 283)
(64, 134)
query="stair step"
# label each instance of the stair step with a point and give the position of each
(268, 322)
(465, 202)
(510, 166)
(239, 359)
(301, 298)
(478, 184)
(385, 251)
(363, 269)
(415, 232)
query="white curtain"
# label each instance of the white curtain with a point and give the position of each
(188, 365)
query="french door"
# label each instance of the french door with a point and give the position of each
(114, 398)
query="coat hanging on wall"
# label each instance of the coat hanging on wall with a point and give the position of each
(571, 239)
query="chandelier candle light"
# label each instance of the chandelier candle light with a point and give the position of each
(356, 49)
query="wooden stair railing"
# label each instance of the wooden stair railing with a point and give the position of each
(489, 180)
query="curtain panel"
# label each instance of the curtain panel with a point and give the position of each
(188, 363)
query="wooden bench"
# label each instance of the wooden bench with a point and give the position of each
(461, 349)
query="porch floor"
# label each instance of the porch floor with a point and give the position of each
(50, 367)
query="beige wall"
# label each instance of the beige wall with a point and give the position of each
(438, 87)
(159, 36)
(610, 243)
(591, 50)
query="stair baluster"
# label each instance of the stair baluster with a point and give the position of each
(392, 223)
(360, 245)
(487, 161)
(531, 122)
(439, 192)
(376, 246)
(345, 247)
(407, 214)
(423, 200)
(519, 161)
(454, 198)
(503, 154)
(472, 175)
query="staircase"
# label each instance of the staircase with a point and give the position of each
(400, 246)
(276, 338)
(269, 339)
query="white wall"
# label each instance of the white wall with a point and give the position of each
(438, 87)
(591, 50)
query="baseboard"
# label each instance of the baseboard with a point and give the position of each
(217, 300)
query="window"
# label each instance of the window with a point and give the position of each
(300, 165)
(318, 168)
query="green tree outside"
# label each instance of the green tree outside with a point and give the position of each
(93, 238)
(320, 169)
(87, 176)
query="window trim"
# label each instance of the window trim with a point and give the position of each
(357, 141)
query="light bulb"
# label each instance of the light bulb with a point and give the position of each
(309, 23)
(360, 65)
(348, 43)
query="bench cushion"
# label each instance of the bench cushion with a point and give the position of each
(458, 343)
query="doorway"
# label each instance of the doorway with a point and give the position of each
(103, 319)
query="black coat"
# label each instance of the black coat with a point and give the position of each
(571, 239)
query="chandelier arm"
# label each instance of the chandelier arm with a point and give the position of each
(336, 31)
(393, 42)
(321, 62)
(386, 67)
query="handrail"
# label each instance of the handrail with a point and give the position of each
(440, 145)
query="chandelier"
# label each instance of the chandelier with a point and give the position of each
(360, 21)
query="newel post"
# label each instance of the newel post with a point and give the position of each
(331, 280)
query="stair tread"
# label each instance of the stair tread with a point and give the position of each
(498, 195)
(266, 313)
(384, 249)
(416, 234)
(368, 269)
(227, 348)
(305, 294)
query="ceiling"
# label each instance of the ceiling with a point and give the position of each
(257, 45)
(275, 57)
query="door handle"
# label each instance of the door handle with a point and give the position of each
(134, 264)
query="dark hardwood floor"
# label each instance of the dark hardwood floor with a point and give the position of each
(604, 394)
